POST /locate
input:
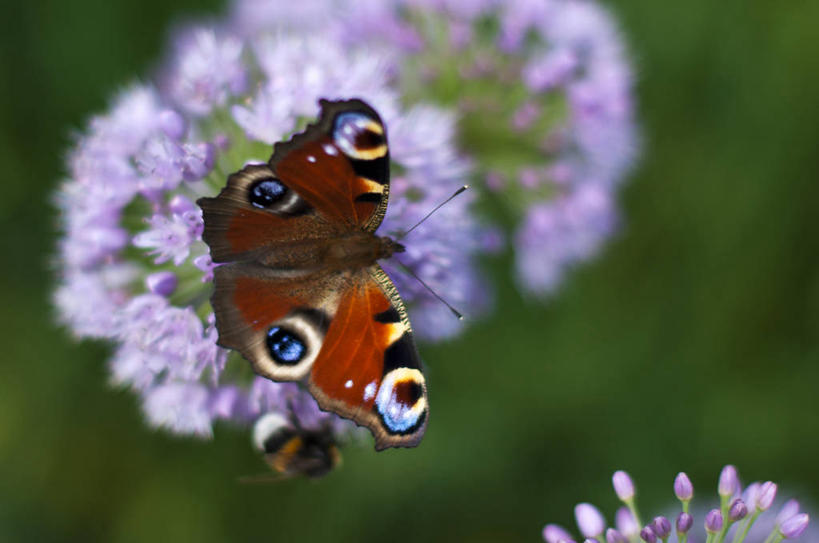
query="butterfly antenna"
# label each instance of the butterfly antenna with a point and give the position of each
(428, 215)
(455, 312)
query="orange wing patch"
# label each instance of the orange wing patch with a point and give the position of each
(368, 369)
(321, 174)
(260, 304)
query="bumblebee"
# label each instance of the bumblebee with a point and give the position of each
(292, 450)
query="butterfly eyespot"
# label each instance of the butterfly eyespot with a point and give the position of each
(401, 401)
(266, 192)
(285, 346)
(359, 136)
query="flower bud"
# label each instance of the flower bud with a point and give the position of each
(751, 495)
(198, 161)
(162, 283)
(794, 526)
(683, 488)
(767, 494)
(625, 522)
(589, 520)
(661, 527)
(647, 535)
(737, 511)
(789, 509)
(684, 523)
(623, 485)
(613, 536)
(180, 204)
(552, 533)
(172, 124)
(713, 521)
(728, 481)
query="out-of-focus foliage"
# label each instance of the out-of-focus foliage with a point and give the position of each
(693, 341)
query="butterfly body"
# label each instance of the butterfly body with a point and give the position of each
(300, 293)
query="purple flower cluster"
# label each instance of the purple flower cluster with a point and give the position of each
(579, 59)
(132, 266)
(530, 97)
(740, 515)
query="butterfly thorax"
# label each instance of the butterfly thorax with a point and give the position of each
(358, 250)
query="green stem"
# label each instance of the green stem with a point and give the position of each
(632, 506)
(775, 536)
(725, 527)
(740, 537)
(724, 506)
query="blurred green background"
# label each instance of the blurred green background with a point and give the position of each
(692, 342)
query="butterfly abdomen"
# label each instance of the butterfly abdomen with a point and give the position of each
(358, 250)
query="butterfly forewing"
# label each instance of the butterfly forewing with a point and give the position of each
(340, 165)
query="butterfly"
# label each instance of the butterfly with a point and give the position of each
(300, 293)
(292, 450)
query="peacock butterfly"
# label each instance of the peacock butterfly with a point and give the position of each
(300, 293)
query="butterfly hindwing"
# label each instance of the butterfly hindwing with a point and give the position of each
(354, 345)
(277, 321)
(369, 369)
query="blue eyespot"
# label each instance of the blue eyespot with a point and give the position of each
(266, 192)
(285, 346)
(357, 135)
(400, 401)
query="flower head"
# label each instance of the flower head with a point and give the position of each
(738, 518)
(132, 264)
(560, 89)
